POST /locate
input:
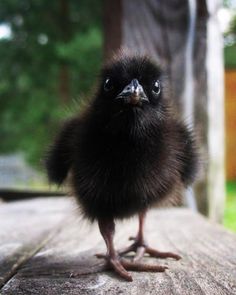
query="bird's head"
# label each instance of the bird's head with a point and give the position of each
(131, 82)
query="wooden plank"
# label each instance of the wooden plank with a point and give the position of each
(207, 266)
(25, 227)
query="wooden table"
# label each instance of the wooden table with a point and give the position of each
(44, 243)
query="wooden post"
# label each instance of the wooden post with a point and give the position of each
(112, 19)
(215, 94)
(184, 38)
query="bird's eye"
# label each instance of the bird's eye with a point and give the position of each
(108, 85)
(156, 87)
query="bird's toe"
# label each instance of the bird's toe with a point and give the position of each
(120, 269)
(139, 253)
(137, 266)
(158, 254)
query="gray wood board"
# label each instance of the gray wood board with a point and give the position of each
(208, 264)
(25, 227)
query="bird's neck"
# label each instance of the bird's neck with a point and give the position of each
(129, 123)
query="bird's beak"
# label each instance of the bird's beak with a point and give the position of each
(133, 93)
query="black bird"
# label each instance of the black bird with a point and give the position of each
(125, 153)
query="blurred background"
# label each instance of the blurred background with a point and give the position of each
(51, 53)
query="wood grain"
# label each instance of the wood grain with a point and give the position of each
(25, 227)
(208, 264)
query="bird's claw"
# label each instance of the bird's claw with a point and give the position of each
(121, 265)
(141, 248)
(155, 253)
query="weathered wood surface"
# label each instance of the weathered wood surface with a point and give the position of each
(57, 245)
(25, 227)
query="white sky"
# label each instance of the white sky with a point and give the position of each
(5, 31)
(224, 16)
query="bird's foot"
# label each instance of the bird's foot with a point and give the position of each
(121, 265)
(140, 248)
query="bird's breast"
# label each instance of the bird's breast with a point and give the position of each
(118, 176)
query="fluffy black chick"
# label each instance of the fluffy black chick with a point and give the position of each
(125, 153)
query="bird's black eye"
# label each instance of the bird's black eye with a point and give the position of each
(156, 87)
(108, 85)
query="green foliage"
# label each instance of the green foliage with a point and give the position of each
(230, 210)
(230, 56)
(230, 44)
(232, 28)
(48, 37)
(228, 3)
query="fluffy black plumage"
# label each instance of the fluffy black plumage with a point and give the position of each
(124, 157)
(126, 152)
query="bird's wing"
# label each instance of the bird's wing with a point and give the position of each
(190, 159)
(60, 155)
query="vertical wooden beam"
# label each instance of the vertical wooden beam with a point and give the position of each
(112, 22)
(159, 28)
(200, 103)
(215, 93)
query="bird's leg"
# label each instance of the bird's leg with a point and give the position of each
(107, 229)
(140, 246)
(114, 261)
